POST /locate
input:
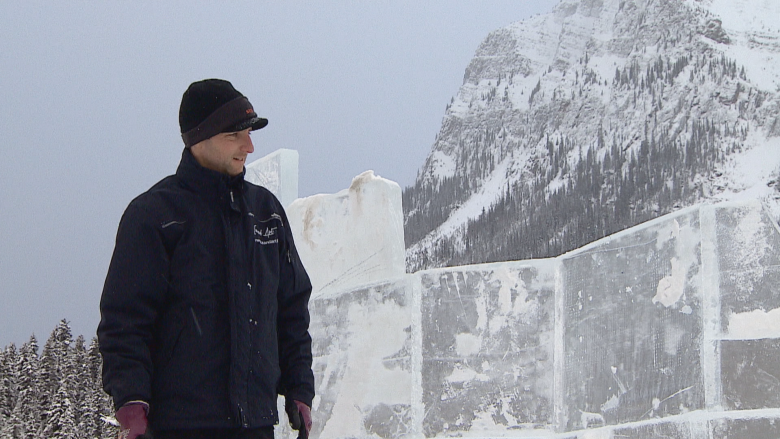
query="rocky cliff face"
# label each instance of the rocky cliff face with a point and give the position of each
(595, 117)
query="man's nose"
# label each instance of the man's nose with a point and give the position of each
(249, 147)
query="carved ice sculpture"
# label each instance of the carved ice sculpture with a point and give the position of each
(353, 237)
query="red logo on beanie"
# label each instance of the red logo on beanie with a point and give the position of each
(249, 111)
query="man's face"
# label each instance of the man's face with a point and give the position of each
(225, 152)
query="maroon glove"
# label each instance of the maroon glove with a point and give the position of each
(300, 417)
(132, 420)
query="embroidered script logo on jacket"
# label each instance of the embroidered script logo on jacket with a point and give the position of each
(266, 233)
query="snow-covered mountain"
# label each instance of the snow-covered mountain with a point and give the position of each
(600, 115)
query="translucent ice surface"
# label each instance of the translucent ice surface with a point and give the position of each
(277, 172)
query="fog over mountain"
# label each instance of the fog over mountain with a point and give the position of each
(600, 115)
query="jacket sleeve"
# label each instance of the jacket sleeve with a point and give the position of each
(132, 295)
(295, 356)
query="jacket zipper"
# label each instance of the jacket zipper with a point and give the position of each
(195, 319)
(242, 417)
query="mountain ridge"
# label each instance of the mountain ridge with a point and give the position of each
(646, 91)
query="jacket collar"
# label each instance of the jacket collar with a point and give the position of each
(207, 182)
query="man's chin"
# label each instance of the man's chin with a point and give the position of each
(237, 167)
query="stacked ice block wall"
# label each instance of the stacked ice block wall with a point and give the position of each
(664, 330)
(670, 329)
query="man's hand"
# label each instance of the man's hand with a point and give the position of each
(300, 417)
(132, 420)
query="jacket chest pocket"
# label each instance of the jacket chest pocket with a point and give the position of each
(169, 344)
(267, 231)
(199, 334)
(267, 243)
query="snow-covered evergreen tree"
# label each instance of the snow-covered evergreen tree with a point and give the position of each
(8, 387)
(102, 403)
(79, 392)
(52, 363)
(61, 415)
(25, 419)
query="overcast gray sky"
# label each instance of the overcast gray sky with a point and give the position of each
(89, 98)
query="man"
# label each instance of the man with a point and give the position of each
(204, 312)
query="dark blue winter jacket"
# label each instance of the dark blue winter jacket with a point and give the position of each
(204, 312)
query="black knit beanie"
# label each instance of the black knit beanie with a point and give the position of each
(213, 106)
